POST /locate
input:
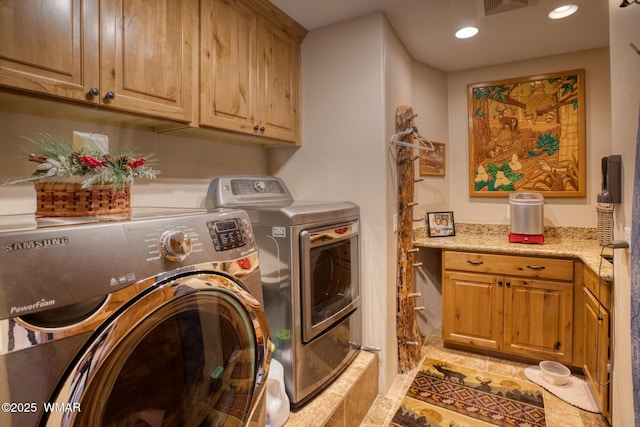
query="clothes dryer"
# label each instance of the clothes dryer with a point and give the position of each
(310, 265)
(151, 319)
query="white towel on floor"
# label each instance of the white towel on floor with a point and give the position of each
(575, 392)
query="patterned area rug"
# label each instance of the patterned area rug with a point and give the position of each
(444, 394)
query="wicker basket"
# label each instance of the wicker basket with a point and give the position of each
(70, 199)
(605, 223)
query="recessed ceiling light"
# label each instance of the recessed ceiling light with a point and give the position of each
(466, 32)
(563, 11)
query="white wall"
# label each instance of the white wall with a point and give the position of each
(576, 212)
(625, 103)
(430, 100)
(186, 164)
(431, 104)
(345, 153)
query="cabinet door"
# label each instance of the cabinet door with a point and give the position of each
(227, 73)
(50, 47)
(538, 319)
(278, 82)
(596, 349)
(147, 54)
(472, 309)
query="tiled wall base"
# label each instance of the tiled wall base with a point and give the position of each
(346, 401)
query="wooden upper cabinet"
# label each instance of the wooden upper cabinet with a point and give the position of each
(50, 47)
(147, 53)
(131, 55)
(278, 82)
(227, 62)
(250, 69)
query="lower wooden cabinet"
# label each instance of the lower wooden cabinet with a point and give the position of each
(597, 333)
(516, 305)
(472, 310)
(538, 319)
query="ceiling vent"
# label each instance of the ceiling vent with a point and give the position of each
(493, 7)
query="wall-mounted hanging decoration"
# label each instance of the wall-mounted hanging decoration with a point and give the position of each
(432, 163)
(528, 134)
(404, 141)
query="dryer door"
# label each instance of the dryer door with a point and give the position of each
(189, 352)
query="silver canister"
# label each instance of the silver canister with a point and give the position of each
(527, 213)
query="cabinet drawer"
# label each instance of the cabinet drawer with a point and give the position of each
(601, 290)
(543, 268)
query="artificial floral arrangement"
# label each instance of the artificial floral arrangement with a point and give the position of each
(57, 157)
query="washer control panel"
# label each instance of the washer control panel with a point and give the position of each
(229, 233)
(175, 245)
(98, 258)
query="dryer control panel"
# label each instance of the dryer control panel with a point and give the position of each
(247, 190)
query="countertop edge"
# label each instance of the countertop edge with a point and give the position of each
(587, 251)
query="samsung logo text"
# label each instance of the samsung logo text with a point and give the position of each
(36, 244)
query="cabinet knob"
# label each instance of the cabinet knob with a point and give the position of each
(94, 91)
(262, 129)
(508, 284)
(109, 96)
(499, 282)
(255, 128)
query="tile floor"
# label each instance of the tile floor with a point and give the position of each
(558, 412)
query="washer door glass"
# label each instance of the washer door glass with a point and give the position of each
(183, 354)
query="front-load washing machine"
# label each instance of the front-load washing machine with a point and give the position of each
(150, 319)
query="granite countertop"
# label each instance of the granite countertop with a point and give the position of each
(565, 242)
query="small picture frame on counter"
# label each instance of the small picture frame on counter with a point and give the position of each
(440, 224)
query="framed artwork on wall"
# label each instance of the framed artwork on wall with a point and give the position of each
(433, 163)
(440, 224)
(528, 134)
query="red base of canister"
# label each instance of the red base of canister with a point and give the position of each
(526, 238)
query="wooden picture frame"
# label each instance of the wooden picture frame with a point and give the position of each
(440, 224)
(528, 134)
(433, 163)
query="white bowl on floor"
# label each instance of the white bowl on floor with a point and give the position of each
(554, 373)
